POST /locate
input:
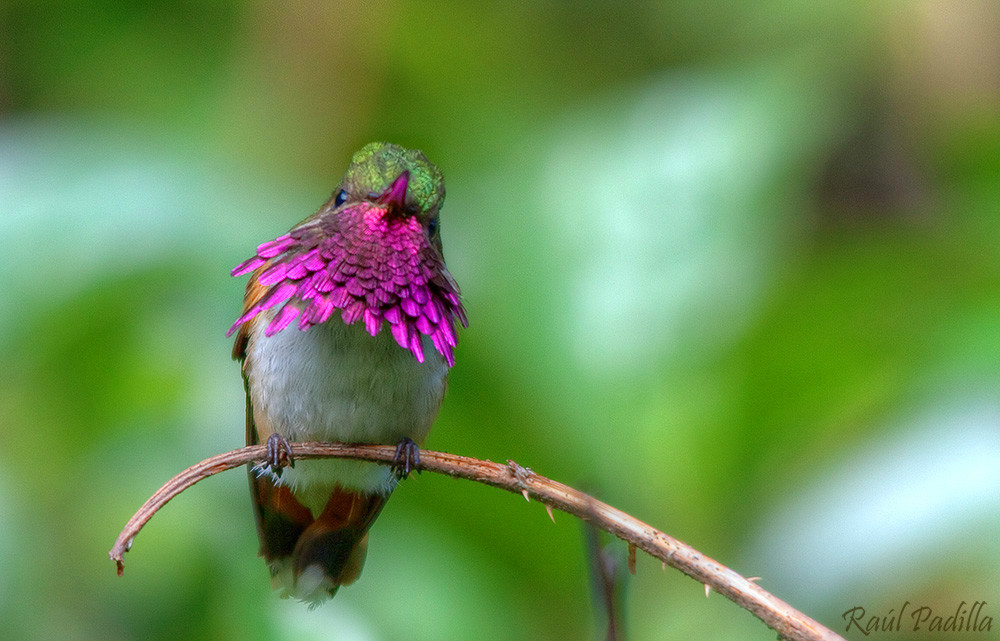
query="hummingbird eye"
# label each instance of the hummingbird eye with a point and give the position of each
(432, 226)
(341, 198)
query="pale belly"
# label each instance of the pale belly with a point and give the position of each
(336, 382)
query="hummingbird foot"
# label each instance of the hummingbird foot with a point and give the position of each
(279, 454)
(407, 458)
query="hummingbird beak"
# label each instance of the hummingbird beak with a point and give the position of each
(395, 196)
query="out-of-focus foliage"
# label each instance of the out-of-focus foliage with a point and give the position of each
(735, 268)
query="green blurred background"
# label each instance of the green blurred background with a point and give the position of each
(732, 267)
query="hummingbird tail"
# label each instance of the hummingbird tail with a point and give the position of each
(311, 557)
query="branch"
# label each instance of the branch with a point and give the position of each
(788, 622)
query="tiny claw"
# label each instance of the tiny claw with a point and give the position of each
(407, 458)
(631, 559)
(279, 454)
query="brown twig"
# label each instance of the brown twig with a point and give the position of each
(604, 570)
(788, 622)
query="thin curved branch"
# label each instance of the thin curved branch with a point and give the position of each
(788, 622)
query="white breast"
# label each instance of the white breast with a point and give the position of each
(335, 382)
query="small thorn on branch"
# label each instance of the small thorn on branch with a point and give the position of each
(548, 508)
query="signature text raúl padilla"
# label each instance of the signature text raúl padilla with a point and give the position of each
(965, 618)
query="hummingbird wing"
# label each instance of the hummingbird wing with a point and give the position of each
(280, 517)
(398, 279)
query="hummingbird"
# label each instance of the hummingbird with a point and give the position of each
(364, 280)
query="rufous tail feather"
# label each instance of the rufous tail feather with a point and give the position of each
(311, 557)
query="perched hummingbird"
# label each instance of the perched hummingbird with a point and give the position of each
(372, 254)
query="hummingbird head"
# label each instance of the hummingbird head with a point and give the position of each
(373, 251)
(395, 186)
(377, 173)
